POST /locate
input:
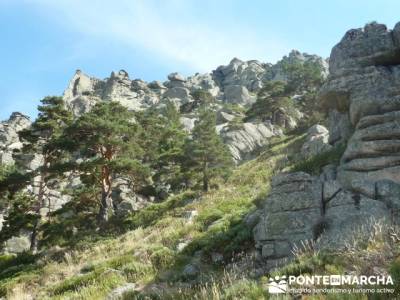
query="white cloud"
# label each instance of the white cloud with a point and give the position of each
(169, 30)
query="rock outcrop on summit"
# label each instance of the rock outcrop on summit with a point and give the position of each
(362, 97)
(234, 84)
(9, 139)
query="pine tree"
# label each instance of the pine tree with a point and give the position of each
(303, 76)
(205, 152)
(38, 139)
(163, 137)
(271, 98)
(107, 141)
(171, 148)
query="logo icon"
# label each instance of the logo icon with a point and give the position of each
(277, 285)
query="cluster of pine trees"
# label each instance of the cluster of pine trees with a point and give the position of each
(302, 79)
(149, 148)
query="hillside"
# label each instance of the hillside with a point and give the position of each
(207, 187)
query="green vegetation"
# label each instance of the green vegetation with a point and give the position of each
(302, 75)
(207, 156)
(107, 140)
(271, 99)
(39, 139)
(148, 253)
(313, 165)
(163, 138)
(203, 224)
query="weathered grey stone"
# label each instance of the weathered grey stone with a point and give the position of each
(364, 70)
(294, 208)
(120, 292)
(238, 94)
(188, 123)
(176, 77)
(17, 244)
(2, 214)
(224, 117)
(353, 213)
(82, 93)
(9, 139)
(328, 172)
(190, 215)
(191, 271)
(244, 142)
(182, 245)
(252, 218)
(180, 93)
(389, 192)
(363, 95)
(316, 141)
(217, 258)
(340, 127)
(330, 189)
(372, 45)
(157, 85)
(268, 250)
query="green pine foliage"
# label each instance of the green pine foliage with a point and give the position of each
(302, 75)
(207, 156)
(38, 139)
(163, 137)
(273, 97)
(107, 141)
(20, 216)
(171, 149)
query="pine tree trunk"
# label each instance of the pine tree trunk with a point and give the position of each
(106, 205)
(106, 208)
(34, 237)
(40, 204)
(205, 177)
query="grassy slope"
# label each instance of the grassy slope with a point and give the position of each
(147, 254)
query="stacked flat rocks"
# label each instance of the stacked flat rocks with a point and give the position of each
(362, 97)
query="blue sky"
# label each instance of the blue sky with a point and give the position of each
(43, 42)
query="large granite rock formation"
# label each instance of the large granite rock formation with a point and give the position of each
(234, 84)
(237, 82)
(362, 96)
(9, 139)
(316, 141)
(244, 142)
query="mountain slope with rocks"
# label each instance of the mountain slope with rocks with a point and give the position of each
(302, 199)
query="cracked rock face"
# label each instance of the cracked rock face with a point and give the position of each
(236, 83)
(316, 141)
(9, 139)
(362, 95)
(245, 141)
(291, 210)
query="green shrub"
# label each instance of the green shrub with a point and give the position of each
(11, 265)
(228, 237)
(94, 285)
(151, 214)
(314, 164)
(236, 123)
(75, 282)
(244, 289)
(135, 270)
(162, 257)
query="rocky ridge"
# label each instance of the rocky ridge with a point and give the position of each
(362, 97)
(236, 83)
